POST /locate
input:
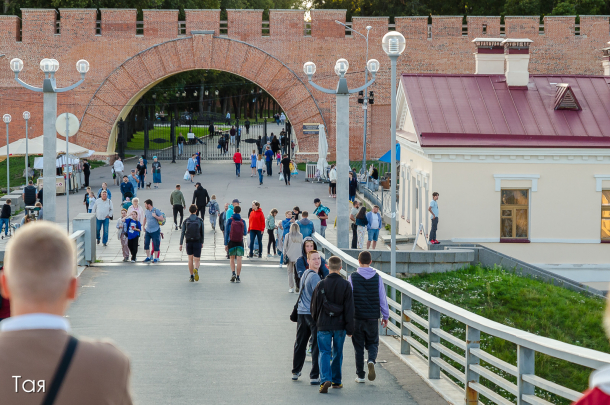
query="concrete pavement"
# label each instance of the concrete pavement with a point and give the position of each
(214, 341)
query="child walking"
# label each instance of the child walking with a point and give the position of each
(134, 227)
(121, 226)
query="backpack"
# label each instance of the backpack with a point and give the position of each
(164, 218)
(213, 210)
(237, 231)
(192, 232)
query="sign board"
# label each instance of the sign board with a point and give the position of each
(311, 129)
(190, 135)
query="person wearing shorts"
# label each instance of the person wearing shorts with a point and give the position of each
(235, 245)
(374, 223)
(193, 229)
(152, 231)
(191, 166)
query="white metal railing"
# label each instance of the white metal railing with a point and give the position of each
(79, 239)
(407, 325)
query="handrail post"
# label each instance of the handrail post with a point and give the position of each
(405, 305)
(434, 321)
(526, 364)
(473, 340)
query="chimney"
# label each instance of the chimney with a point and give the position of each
(517, 61)
(606, 61)
(489, 56)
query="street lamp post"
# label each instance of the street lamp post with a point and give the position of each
(365, 101)
(393, 44)
(26, 117)
(49, 90)
(342, 93)
(7, 119)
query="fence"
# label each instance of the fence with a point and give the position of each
(378, 196)
(425, 339)
(79, 238)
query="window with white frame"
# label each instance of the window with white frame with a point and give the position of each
(605, 225)
(514, 215)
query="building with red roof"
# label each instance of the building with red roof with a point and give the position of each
(521, 162)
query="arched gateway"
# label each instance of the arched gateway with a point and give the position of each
(128, 82)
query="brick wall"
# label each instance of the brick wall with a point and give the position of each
(122, 64)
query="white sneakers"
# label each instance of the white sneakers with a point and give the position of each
(359, 380)
(291, 290)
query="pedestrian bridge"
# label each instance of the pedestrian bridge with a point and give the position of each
(222, 342)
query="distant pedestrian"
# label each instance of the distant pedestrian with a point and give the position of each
(234, 242)
(121, 227)
(352, 216)
(134, 228)
(256, 227)
(268, 159)
(260, 166)
(293, 246)
(85, 199)
(211, 129)
(238, 137)
(374, 224)
(362, 224)
(5, 216)
(283, 229)
(247, 125)
(191, 166)
(306, 227)
(322, 213)
(181, 142)
(141, 168)
(285, 167)
(353, 186)
(232, 132)
(201, 198)
(193, 233)
(332, 308)
(228, 118)
(282, 119)
(237, 159)
(222, 220)
(134, 180)
(253, 163)
(86, 171)
(259, 145)
(271, 227)
(213, 210)
(103, 211)
(332, 185)
(433, 209)
(29, 195)
(127, 189)
(104, 188)
(119, 168)
(221, 144)
(156, 169)
(91, 201)
(176, 199)
(198, 161)
(369, 301)
(306, 325)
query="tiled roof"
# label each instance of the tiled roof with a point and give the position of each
(482, 111)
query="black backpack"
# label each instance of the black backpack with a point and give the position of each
(192, 232)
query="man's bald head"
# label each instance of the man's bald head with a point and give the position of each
(40, 264)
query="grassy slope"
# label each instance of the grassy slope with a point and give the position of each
(526, 304)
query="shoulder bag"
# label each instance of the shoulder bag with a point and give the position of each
(62, 370)
(294, 315)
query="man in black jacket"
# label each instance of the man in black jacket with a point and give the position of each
(29, 196)
(201, 198)
(332, 308)
(193, 230)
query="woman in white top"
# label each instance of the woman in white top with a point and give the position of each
(138, 209)
(260, 165)
(293, 249)
(332, 186)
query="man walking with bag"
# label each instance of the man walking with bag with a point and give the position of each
(369, 301)
(306, 326)
(193, 231)
(332, 307)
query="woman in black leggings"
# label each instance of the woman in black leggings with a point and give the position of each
(270, 226)
(286, 169)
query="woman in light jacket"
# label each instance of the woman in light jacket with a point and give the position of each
(361, 223)
(332, 186)
(293, 249)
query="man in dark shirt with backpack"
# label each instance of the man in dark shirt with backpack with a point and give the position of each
(192, 230)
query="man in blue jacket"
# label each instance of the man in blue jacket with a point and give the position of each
(126, 187)
(374, 224)
(305, 225)
(268, 159)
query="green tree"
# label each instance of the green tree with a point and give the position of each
(522, 7)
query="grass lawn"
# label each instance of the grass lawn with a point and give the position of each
(523, 303)
(161, 133)
(17, 168)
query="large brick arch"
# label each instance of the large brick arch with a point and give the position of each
(124, 86)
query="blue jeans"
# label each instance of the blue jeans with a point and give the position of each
(330, 344)
(352, 198)
(156, 240)
(256, 235)
(180, 148)
(4, 222)
(260, 176)
(237, 169)
(141, 182)
(99, 222)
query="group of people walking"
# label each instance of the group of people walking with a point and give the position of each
(329, 309)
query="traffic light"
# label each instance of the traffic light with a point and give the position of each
(371, 98)
(361, 97)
